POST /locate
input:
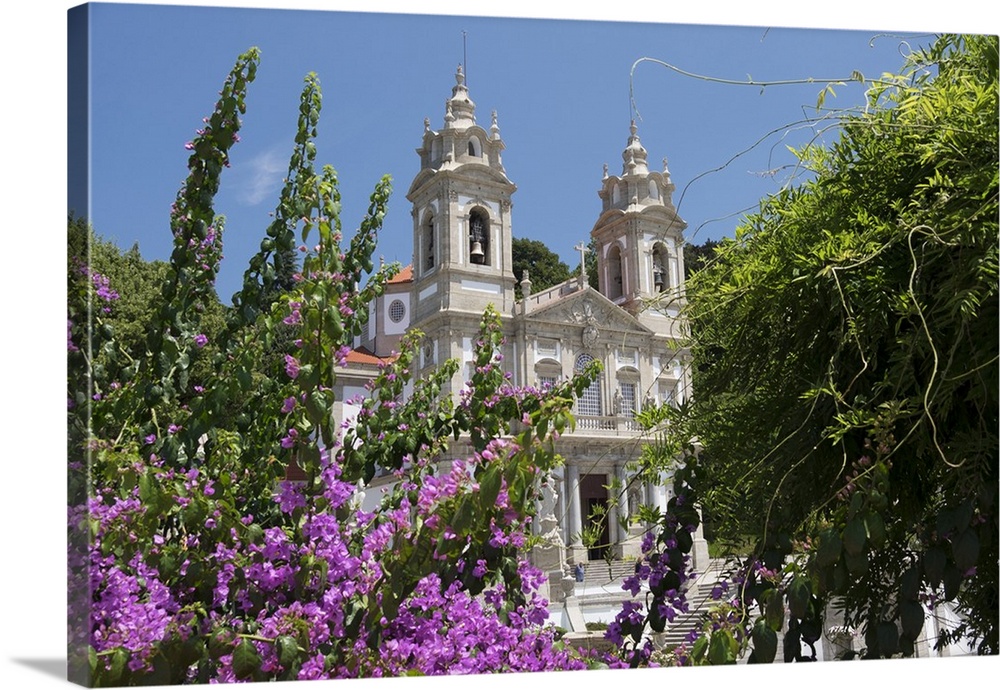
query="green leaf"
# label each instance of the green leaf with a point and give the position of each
(220, 643)
(934, 564)
(857, 564)
(876, 530)
(765, 642)
(855, 536)
(722, 648)
(489, 485)
(147, 489)
(828, 552)
(888, 638)
(952, 582)
(657, 622)
(775, 610)
(699, 648)
(799, 593)
(288, 650)
(118, 661)
(909, 584)
(965, 549)
(246, 660)
(911, 618)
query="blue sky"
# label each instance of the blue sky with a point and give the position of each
(561, 89)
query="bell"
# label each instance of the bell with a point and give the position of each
(476, 253)
(658, 281)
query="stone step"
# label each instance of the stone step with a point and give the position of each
(601, 573)
(699, 602)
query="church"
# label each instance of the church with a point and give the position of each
(461, 208)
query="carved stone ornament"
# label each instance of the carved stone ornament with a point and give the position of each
(586, 314)
(590, 335)
(453, 195)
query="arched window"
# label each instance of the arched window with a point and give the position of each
(616, 286)
(428, 243)
(654, 190)
(616, 194)
(479, 238)
(475, 148)
(661, 268)
(588, 404)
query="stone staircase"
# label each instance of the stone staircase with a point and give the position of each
(699, 602)
(609, 577)
(600, 573)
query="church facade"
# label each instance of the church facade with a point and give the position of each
(461, 208)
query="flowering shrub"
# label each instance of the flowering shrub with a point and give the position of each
(191, 559)
(663, 571)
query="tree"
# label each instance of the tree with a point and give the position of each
(846, 377)
(543, 265)
(697, 256)
(136, 283)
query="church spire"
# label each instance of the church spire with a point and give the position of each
(634, 155)
(460, 111)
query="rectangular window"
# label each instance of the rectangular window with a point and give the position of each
(668, 395)
(628, 400)
(589, 404)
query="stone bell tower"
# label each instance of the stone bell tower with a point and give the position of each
(640, 258)
(461, 211)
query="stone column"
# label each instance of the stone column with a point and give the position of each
(577, 552)
(562, 512)
(652, 494)
(616, 508)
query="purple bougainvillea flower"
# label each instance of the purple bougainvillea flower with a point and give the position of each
(289, 440)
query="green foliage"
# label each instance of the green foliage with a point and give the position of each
(138, 284)
(846, 357)
(697, 256)
(544, 266)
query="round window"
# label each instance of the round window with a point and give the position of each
(397, 310)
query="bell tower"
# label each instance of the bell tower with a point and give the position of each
(461, 201)
(461, 207)
(640, 258)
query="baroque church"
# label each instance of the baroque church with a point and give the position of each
(461, 208)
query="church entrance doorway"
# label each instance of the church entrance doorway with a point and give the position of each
(594, 499)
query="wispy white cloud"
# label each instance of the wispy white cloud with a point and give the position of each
(262, 176)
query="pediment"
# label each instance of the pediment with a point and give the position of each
(591, 311)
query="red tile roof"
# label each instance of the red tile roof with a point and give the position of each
(363, 355)
(405, 275)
